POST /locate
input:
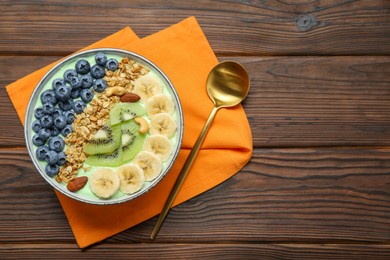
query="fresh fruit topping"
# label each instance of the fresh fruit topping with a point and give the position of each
(105, 141)
(104, 183)
(69, 115)
(45, 134)
(77, 183)
(160, 103)
(86, 95)
(143, 124)
(60, 122)
(52, 169)
(54, 131)
(63, 92)
(37, 140)
(66, 104)
(86, 80)
(146, 87)
(75, 93)
(36, 126)
(163, 124)
(41, 152)
(69, 74)
(51, 157)
(101, 58)
(56, 113)
(131, 177)
(109, 159)
(99, 85)
(159, 145)
(48, 108)
(56, 143)
(46, 121)
(129, 97)
(75, 82)
(66, 130)
(97, 71)
(150, 163)
(61, 158)
(125, 111)
(82, 66)
(78, 106)
(112, 64)
(48, 96)
(132, 141)
(38, 113)
(58, 82)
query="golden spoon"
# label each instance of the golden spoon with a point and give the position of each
(227, 85)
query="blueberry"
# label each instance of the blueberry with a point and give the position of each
(101, 58)
(87, 81)
(52, 170)
(48, 108)
(57, 82)
(41, 152)
(99, 85)
(38, 112)
(46, 121)
(63, 92)
(78, 106)
(69, 115)
(86, 95)
(48, 96)
(60, 122)
(75, 93)
(69, 74)
(54, 131)
(36, 126)
(112, 64)
(56, 143)
(75, 82)
(44, 133)
(37, 140)
(61, 158)
(82, 66)
(66, 105)
(97, 71)
(66, 130)
(51, 157)
(57, 112)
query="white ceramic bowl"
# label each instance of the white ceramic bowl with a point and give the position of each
(45, 83)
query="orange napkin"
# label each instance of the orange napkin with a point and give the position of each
(184, 54)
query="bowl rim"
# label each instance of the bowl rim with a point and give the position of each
(180, 126)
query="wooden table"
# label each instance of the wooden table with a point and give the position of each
(318, 185)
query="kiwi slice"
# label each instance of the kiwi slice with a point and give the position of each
(122, 112)
(132, 140)
(105, 141)
(110, 159)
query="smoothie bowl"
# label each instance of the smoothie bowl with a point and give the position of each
(104, 126)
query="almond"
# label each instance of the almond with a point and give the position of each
(77, 183)
(130, 97)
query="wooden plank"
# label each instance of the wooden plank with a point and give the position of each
(293, 101)
(324, 195)
(232, 27)
(197, 251)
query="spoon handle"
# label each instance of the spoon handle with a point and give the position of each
(183, 173)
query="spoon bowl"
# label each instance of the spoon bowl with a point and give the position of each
(227, 85)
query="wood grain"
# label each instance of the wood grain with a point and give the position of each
(198, 251)
(233, 27)
(293, 101)
(323, 195)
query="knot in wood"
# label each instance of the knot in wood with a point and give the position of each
(305, 22)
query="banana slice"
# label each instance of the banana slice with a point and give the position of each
(159, 145)
(163, 124)
(159, 103)
(149, 163)
(146, 87)
(104, 183)
(131, 177)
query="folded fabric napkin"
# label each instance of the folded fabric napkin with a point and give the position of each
(184, 54)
